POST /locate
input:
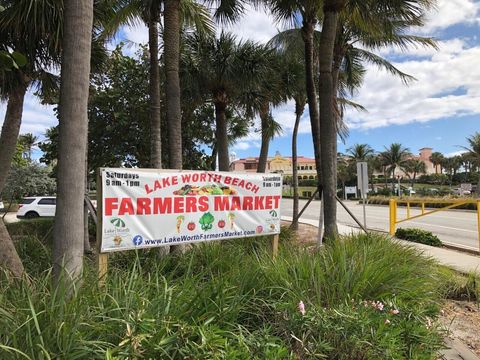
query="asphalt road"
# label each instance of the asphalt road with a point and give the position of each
(454, 227)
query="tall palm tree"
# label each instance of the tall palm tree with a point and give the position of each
(380, 23)
(305, 15)
(412, 168)
(34, 30)
(436, 158)
(271, 91)
(226, 70)
(68, 228)
(188, 14)
(395, 157)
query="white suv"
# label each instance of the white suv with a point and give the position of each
(33, 207)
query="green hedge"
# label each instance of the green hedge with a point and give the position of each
(418, 236)
(382, 200)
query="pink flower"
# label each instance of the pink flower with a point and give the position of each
(378, 305)
(301, 308)
(394, 311)
(387, 321)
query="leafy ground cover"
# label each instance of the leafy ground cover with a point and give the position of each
(361, 297)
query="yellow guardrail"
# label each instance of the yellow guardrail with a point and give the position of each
(393, 203)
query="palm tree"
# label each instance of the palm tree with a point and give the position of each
(271, 91)
(380, 23)
(191, 14)
(395, 157)
(360, 152)
(304, 15)
(344, 173)
(68, 228)
(23, 30)
(226, 70)
(436, 158)
(473, 149)
(412, 168)
(29, 141)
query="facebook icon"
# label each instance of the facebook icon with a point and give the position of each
(137, 240)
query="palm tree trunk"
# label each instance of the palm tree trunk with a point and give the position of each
(9, 258)
(213, 157)
(263, 159)
(299, 107)
(222, 136)
(154, 88)
(328, 133)
(171, 40)
(73, 126)
(10, 131)
(312, 99)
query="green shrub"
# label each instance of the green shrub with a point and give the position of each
(382, 200)
(419, 236)
(231, 300)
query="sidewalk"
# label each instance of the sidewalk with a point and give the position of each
(455, 259)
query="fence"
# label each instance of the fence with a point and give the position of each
(449, 204)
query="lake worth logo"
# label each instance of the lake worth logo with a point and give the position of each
(273, 213)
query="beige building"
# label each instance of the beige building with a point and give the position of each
(424, 156)
(278, 164)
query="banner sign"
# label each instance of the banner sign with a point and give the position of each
(149, 208)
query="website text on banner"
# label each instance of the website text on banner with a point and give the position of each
(145, 208)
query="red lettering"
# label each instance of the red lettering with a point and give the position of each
(276, 198)
(178, 204)
(175, 180)
(255, 188)
(236, 205)
(268, 202)
(203, 177)
(221, 203)
(191, 204)
(235, 182)
(165, 182)
(147, 189)
(110, 205)
(126, 207)
(247, 203)
(143, 206)
(203, 203)
(227, 180)
(186, 178)
(259, 202)
(156, 185)
(162, 205)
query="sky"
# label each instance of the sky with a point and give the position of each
(439, 110)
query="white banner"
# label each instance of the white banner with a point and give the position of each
(149, 208)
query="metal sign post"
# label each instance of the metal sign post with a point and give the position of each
(362, 182)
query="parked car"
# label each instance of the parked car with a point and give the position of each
(36, 206)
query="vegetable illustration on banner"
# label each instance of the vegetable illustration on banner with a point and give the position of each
(148, 208)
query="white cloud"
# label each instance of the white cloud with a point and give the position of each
(245, 145)
(36, 118)
(452, 12)
(455, 153)
(255, 25)
(432, 97)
